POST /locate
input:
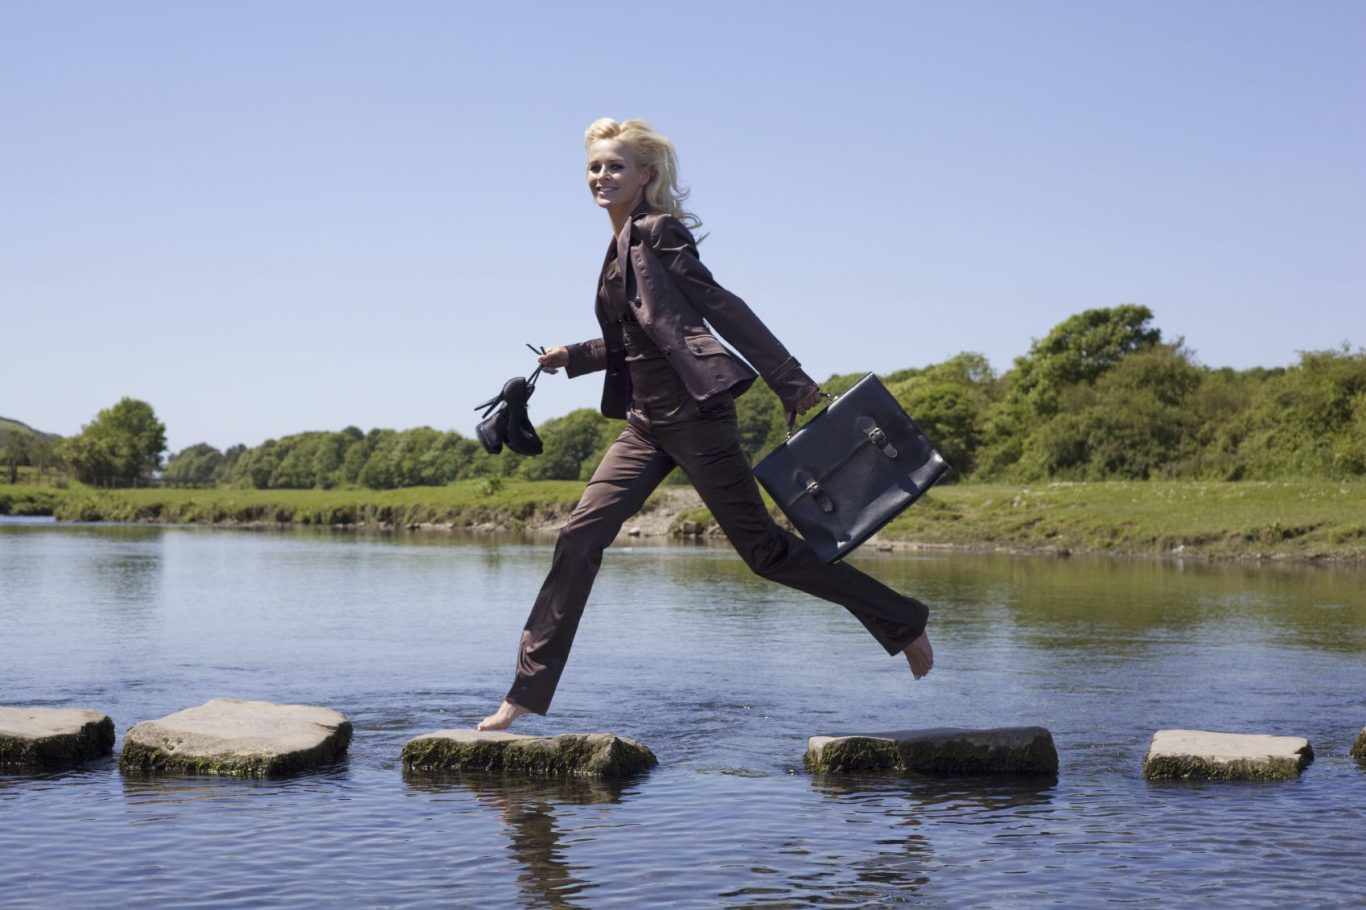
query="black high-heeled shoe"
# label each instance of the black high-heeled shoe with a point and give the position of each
(509, 424)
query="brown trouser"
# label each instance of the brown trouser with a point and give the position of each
(705, 443)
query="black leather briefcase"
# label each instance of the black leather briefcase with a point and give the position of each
(850, 469)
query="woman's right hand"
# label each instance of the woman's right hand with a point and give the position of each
(554, 358)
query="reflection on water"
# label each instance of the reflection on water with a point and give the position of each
(967, 798)
(536, 841)
(156, 800)
(724, 676)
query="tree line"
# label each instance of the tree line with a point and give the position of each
(1102, 396)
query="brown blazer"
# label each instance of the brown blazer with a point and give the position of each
(676, 299)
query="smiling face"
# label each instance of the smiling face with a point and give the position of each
(614, 178)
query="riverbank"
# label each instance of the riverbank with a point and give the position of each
(1308, 520)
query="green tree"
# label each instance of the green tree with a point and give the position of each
(760, 419)
(200, 465)
(1310, 420)
(950, 415)
(254, 467)
(1218, 410)
(421, 458)
(357, 454)
(15, 450)
(306, 460)
(329, 458)
(1077, 351)
(1134, 422)
(122, 446)
(950, 402)
(231, 455)
(300, 461)
(377, 472)
(569, 442)
(42, 452)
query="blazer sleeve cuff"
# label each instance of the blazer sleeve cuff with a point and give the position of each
(586, 357)
(791, 384)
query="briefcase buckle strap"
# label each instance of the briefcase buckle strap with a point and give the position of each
(879, 439)
(818, 496)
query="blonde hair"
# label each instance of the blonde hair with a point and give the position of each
(650, 150)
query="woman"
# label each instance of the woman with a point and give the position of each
(674, 383)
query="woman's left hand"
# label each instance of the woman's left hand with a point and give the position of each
(810, 402)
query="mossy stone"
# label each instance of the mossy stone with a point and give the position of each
(854, 753)
(237, 738)
(52, 739)
(1359, 747)
(1207, 755)
(945, 752)
(600, 755)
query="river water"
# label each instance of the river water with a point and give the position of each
(724, 676)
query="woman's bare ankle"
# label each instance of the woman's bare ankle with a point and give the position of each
(502, 718)
(920, 655)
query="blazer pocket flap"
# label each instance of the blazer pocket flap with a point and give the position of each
(704, 345)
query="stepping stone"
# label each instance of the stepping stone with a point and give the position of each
(237, 738)
(1359, 747)
(1202, 755)
(602, 755)
(52, 739)
(945, 751)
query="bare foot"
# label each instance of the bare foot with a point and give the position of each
(920, 655)
(508, 712)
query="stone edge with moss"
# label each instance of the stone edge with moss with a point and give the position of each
(1198, 767)
(143, 758)
(939, 753)
(58, 752)
(1359, 747)
(600, 755)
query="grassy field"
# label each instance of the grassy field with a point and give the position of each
(1299, 520)
(1296, 520)
(508, 503)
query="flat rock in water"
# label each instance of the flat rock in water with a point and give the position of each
(52, 739)
(945, 751)
(1202, 755)
(603, 755)
(238, 738)
(1359, 747)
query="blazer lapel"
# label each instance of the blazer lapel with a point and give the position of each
(599, 307)
(624, 248)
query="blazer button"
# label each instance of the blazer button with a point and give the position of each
(636, 303)
(697, 349)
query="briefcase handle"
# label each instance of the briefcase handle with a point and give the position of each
(791, 416)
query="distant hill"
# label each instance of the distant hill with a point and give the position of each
(9, 425)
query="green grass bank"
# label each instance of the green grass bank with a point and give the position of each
(471, 503)
(1294, 520)
(1308, 520)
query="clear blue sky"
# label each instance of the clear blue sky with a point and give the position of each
(270, 217)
